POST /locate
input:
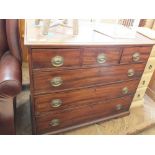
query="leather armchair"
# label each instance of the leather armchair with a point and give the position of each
(10, 73)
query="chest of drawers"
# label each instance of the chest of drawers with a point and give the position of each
(76, 84)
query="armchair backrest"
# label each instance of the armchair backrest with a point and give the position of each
(9, 38)
(12, 32)
(3, 38)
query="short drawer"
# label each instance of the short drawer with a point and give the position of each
(50, 81)
(150, 66)
(140, 92)
(101, 56)
(145, 80)
(56, 101)
(69, 117)
(55, 58)
(135, 54)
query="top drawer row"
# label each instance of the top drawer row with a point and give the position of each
(52, 58)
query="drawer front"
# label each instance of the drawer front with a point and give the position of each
(150, 66)
(135, 54)
(55, 58)
(101, 56)
(140, 92)
(45, 81)
(69, 117)
(74, 98)
(145, 80)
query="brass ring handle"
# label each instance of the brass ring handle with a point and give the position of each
(119, 106)
(131, 72)
(54, 122)
(56, 103)
(56, 81)
(125, 90)
(136, 56)
(57, 61)
(101, 58)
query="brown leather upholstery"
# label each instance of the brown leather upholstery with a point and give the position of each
(13, 38)
(3, 39)
(10, 73)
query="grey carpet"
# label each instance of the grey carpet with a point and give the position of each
(23, 114)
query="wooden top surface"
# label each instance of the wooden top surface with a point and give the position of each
(87, 36)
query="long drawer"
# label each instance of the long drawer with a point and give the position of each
(69, 117)
(55, 101)
(49, 81)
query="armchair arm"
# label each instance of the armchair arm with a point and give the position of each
(10, 76)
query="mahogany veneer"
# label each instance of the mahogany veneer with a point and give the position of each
(94, 84)
(83, 77)
(85, 113)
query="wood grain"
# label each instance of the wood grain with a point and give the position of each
(90, 91)
(73, 79)
(79, 115)
(112, 56)
(127, 56)
(42, 57)
(73, 57)
(79, 97)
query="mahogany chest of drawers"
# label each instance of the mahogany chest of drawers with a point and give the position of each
(73, 85)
